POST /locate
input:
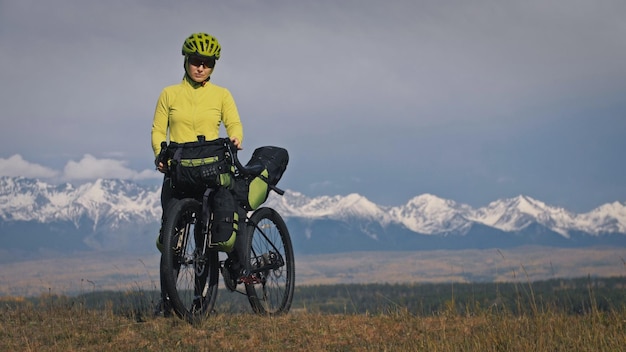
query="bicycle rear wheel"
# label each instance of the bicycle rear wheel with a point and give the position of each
(271, 272)
(189, 270)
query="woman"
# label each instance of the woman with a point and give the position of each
(194, 107)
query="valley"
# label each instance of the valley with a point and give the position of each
(82, 272)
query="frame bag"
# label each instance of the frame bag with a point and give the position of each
(251, 192)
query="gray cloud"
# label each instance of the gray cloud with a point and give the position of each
(449, 98)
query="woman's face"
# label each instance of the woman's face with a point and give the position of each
(199, 71)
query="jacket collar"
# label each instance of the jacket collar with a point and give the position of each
(195, 84)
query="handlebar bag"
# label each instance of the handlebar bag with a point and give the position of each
(251, 192)
(196, 166)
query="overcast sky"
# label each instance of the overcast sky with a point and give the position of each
(468, 100)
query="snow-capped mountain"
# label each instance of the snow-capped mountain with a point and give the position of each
(431, 215)
(105, 214)
(23, 199)
(121, 214)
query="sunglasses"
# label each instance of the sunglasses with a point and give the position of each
(204, 61)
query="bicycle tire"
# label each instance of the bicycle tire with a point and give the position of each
(189, 271)
(270, 278)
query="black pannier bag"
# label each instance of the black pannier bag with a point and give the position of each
(224, 219)
(196, 166)
(251, 192)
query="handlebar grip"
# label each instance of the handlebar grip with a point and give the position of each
(162, 157)
(232, 149)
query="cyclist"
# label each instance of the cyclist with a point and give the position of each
(191, 108)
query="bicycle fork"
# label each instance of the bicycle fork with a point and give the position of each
(200, 264)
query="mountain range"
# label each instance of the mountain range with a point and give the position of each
(110, 214)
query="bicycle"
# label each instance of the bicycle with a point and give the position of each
(190, 268)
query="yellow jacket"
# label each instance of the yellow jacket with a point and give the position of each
(190, 109)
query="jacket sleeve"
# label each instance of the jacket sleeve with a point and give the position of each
(230, 117)
(160, 122)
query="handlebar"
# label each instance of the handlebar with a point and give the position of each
(252, 171)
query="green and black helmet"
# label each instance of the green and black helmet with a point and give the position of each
(202, 44)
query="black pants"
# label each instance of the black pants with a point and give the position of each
(167, 195)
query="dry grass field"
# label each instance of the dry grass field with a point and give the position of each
(58, 326)
(57, 322)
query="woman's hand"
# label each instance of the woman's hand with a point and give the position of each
(236, 142)
(160, 167)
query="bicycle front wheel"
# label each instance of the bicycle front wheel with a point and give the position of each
(271, 273)
(189, 270)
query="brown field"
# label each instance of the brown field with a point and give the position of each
(70, 327)
(58, 323)
(87, 272)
